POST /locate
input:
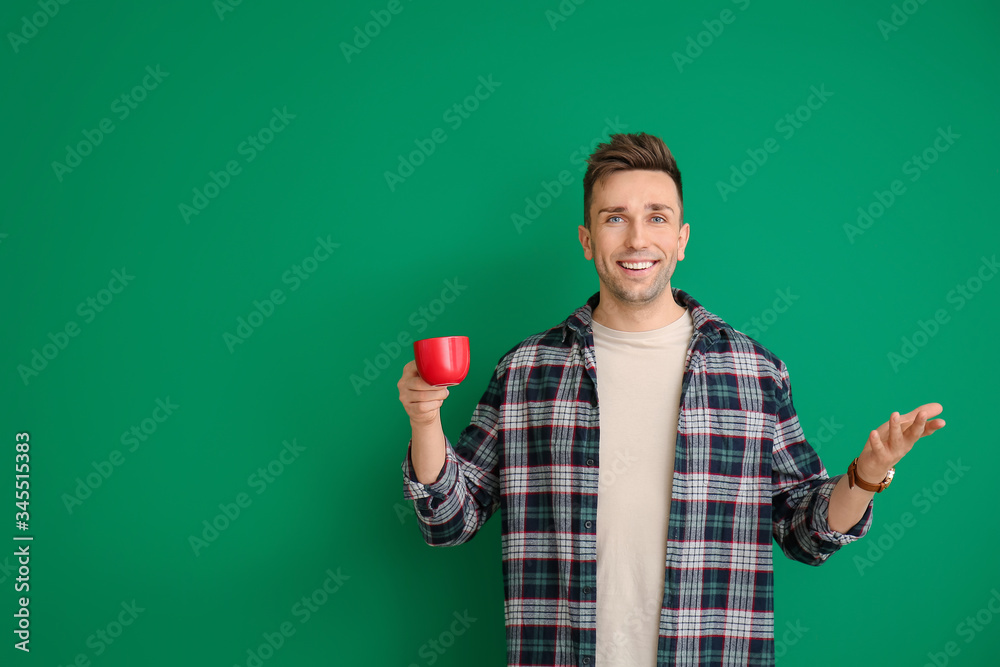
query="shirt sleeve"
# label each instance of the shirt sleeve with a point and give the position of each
(802, 488)
(454, 507)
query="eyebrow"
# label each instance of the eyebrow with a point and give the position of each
(624, 209)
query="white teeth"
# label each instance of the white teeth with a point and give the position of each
(636, 265)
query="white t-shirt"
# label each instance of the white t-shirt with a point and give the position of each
(639, 380)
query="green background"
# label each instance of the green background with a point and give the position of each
(338, 506)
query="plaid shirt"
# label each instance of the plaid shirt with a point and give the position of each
(743, 472)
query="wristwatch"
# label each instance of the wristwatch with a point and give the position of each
(854, 480)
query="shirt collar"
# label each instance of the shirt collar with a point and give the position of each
(706, 323)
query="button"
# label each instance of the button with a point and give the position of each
(586, 661)
(586, 589)
(588, 524)
(590, 462)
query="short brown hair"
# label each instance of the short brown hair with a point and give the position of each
(629, 151)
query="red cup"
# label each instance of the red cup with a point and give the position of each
(444, 361)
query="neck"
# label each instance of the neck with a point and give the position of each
(645, 317)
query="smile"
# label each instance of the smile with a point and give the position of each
(637, 267)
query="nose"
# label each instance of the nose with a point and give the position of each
(635, 236)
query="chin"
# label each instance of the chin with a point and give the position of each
(637, 298)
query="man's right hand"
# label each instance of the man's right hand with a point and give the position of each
(422, 401)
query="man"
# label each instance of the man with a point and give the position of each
(643, 454)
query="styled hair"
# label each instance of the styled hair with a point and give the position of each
(629, 151)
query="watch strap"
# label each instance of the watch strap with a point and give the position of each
(853, 479)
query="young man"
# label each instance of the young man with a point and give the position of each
(643, 453)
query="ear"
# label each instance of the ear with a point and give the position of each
(682, 240)
(588, 252)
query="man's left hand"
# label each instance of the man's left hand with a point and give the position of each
(891, 441)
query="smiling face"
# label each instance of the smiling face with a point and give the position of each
(636, 239)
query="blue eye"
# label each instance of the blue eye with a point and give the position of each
(613, 217)
(660, 217)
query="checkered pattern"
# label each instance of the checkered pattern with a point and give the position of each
(744, 474)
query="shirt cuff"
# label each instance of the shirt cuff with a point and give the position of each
(821, 526)
(440, 488)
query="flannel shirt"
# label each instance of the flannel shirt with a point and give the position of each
(743, 473)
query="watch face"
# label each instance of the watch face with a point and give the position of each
(888, 475)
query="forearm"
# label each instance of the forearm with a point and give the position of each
(427, 450)
(847, 505)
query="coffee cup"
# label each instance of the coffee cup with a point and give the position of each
(443, 361)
